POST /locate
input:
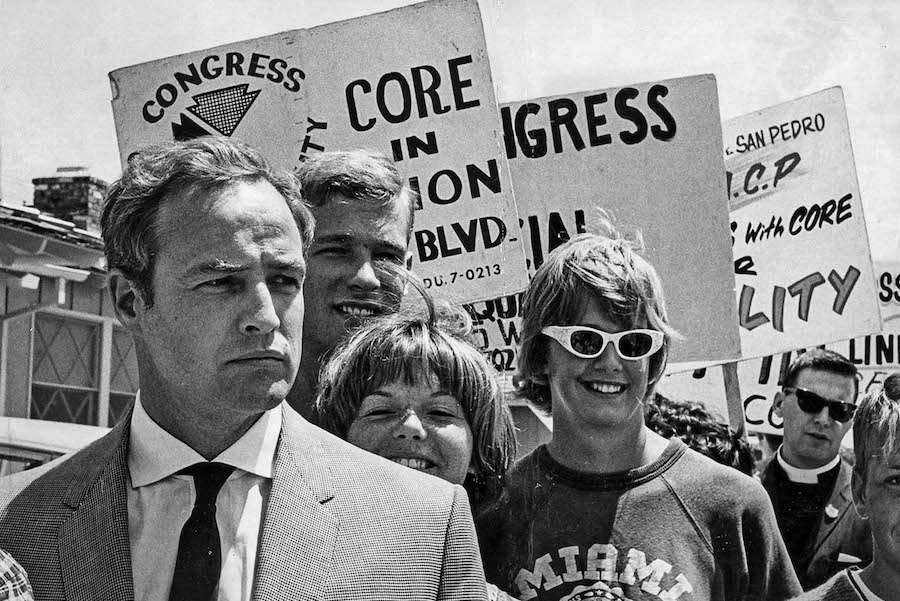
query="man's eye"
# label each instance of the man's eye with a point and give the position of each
(286, 281)
(389, 257)
(218, 283)
(333, 251)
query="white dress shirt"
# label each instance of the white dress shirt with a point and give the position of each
(160, 502)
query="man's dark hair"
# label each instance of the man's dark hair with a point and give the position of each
(699, 430)
(822, 360)
(155, 173)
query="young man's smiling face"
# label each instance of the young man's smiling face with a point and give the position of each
(347, 281)
(604, 391)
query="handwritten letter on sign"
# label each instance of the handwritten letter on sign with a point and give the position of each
(413, 83)
(802, 264)
(649, 154)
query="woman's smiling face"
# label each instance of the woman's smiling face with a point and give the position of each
(604, 391)
(420, 426)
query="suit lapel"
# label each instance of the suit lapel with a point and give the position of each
(299, 533)
(838, 505)
(94, 550)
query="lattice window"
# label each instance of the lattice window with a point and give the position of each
(123, 375)
(65, 370)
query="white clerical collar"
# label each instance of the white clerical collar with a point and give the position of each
(154, 454)
(808, 476)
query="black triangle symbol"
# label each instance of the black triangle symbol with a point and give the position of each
(187, 129)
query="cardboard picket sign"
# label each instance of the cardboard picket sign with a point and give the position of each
(252, 90)
(413, 83)
(801, 251)
(648, 154)
(875, 355)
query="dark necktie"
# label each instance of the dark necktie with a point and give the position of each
(199, 561)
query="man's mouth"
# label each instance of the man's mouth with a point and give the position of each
(266, 356)
(358, 310)
(605, 387)
(415, 463)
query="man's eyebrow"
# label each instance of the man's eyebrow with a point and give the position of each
(345, 239)
(215, 266)
(339, 238)
(292, 263)
(395, 248)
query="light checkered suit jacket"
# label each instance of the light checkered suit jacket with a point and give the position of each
(341, 524)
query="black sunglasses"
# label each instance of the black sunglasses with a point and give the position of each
(810, 402)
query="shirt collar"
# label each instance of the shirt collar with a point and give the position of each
(254, 452)
(805, 476)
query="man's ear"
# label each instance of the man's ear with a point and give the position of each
(858, 488)
(126, 298)
(778, 404)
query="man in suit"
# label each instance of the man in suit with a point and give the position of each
(213, 487)
(808, 480)
(364, 220)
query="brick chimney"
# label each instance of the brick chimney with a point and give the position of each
(72, 194)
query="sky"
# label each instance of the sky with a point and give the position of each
(55, 102)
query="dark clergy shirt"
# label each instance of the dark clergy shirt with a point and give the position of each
(800, 507)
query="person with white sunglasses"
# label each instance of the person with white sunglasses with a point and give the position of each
(608, 509)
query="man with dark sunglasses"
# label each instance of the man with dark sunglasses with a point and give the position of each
(808, 480)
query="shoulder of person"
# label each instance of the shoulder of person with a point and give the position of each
(526, 466)
(697, 476)
(356, 472)
(50, 482)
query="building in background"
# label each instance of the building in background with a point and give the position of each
(63, 356)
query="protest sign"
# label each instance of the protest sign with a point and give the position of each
(875, 355)
(423, 94)
(413, 83)
(649, 155)
(252, 90)
(801, 252)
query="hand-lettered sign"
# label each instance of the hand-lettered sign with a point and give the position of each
(413, 83)
(801, 252)
(875, 355)
(649, 155)
(253, 91)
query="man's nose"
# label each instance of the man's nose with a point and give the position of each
(260, 315)
(410, 426)
(365, 276)
(823, 416)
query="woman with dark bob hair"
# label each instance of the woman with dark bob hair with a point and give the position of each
(411, 388)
